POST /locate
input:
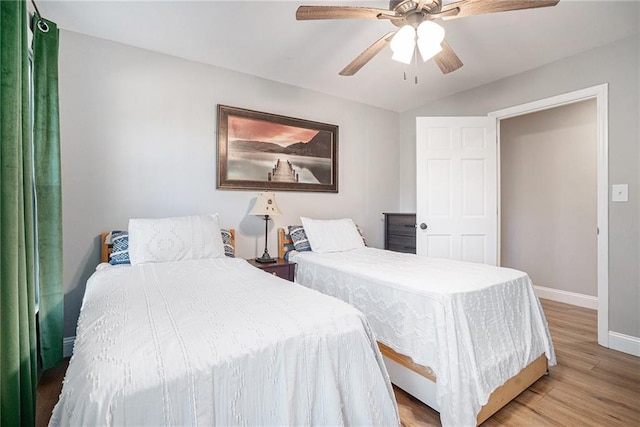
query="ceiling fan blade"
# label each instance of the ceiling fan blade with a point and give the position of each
(447, 60)
(367, 55)
(305, 13)
(479, 7)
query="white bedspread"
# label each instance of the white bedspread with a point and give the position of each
(219, 342)
(474, 325)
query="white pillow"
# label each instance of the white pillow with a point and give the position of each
(175, 239)
(333, 235)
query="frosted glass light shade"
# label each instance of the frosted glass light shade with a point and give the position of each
(428, 50)
(430, 36)
(403, 44)
(431, 31)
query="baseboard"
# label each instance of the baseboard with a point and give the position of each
(67, 346)
(624, 343)
(620, 342)
(581, 300)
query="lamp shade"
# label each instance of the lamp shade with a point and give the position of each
(265, 205)
(430, 37)
(403, 44)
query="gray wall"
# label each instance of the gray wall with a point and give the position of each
(615, 64)
(548, 196)
(138, 139)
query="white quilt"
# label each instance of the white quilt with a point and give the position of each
(219, 342)
(474, 325)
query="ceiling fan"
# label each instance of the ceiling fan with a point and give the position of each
(415, 17)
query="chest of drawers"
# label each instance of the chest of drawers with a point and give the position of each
(400, 232)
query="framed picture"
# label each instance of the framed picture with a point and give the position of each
(262, 151)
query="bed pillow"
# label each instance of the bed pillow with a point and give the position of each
(226, 241)
(334, 235)
(299, 238)
(174, 239)
(364, 241)
(119, 248)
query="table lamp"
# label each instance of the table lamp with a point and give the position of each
(265, 206)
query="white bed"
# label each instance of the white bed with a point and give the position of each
(473, 327)
(219, 342)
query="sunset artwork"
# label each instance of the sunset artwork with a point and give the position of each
(241, 128)
(276, 152)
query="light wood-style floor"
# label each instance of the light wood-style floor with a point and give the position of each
(590, 386)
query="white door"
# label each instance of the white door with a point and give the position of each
(456, 186)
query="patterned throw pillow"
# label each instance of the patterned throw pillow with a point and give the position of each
(120, 249)
(289, 249)
(299, 237)
(226, 240)
(361, 235)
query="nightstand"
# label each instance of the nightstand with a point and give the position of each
(281, 268)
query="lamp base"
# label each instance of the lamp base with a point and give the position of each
(264, 260)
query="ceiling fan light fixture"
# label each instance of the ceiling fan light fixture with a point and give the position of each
(430, 37)
(428, 50)
(403, 44)
(404, 56)
(431, 30)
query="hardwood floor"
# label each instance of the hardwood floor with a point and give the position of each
(48, 391)
(590, 385)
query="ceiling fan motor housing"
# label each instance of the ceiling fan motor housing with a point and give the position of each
(403, 6)
(410, 12)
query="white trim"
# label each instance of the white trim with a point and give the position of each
(624, 343)
(551, 102)
(67, 346)
(573, 298)
(601, 94)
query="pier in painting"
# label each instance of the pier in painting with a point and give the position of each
(283, 171)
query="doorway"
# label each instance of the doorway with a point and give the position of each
(548, 193)
(600, 95)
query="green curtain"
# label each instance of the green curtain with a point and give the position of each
(17, 291)
(46, 150)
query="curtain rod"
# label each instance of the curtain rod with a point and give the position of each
(41, 24)
(36, 8)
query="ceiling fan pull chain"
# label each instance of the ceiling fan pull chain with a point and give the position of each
(415, 68)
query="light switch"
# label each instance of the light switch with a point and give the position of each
(620, 193)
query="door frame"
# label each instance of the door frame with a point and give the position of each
(601, 95)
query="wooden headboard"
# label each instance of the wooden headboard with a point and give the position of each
(105, 248)
(283, 241)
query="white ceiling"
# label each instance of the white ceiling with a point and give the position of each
(263, 38)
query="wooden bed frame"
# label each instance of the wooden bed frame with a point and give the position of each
(106, 248)
(500, 396)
